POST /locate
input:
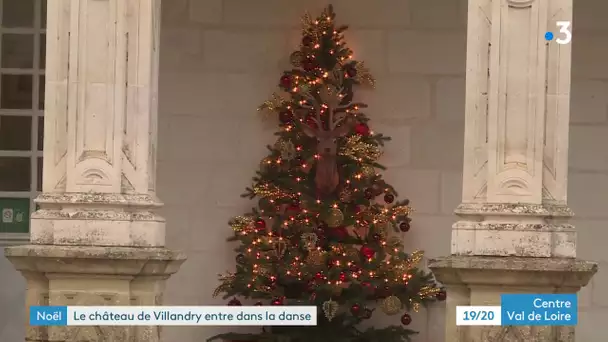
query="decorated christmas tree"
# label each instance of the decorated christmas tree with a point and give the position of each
(327, 228)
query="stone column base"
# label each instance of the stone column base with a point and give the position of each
(77, 275)
(475, 280)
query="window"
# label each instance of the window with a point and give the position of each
(22, 61)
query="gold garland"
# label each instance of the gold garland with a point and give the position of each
(226, 282)
(239, 223)
(276, 103)
(270, 190)
(356, 149)
(428, 292)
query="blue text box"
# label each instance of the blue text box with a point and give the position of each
(539, 309)
(48, 315)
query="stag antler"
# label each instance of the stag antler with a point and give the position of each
(327, 177)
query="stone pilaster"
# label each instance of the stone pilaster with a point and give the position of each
(96, 238)
(513, 233)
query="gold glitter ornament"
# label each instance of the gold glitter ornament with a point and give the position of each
(280, 247)
(316, 258)
(416, 307)
(383, 227)
(296, 58)
(368, 171)
(330, 309)
(334, 218)
(286, 148)
(392, 305)
(346, 195)
(310, 240)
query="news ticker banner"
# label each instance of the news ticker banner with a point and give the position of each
(523, 309)
(515, 309)
(173, 315)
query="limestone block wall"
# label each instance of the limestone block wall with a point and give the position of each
(221, 58)
(588, 181)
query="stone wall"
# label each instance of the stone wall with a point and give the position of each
(221, 58)
(588, 180)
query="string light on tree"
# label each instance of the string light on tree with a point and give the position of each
(323, 230)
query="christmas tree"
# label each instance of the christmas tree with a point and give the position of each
(326, 228)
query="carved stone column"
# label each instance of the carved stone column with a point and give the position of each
(513, 234)
(96, 238)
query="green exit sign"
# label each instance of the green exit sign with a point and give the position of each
(15, 215)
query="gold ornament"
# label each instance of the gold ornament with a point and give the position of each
(263, 270)
(330, 309)
(353, 253)
(368, 171)
(286, 148)
(383, 227)
(416, 307)
(316, 258)
(346, 195)
(392, 305)
(310, 240)
(335, 218)
(296, 58)
(280, 247)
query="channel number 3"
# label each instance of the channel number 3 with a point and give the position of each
(564, 29)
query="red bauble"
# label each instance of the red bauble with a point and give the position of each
(319, 276)
(389, 198)
(369, 193)
(342, 277)
(367, 252)
(367, 314)
(339, 233)
(260, 224)
(307, 40)
(441, 295)
(406, 319)
(258, 304)
(286, 82)
(362, 129)
(234, 302)
(377, 237)
(277, 301)
(355, 309)
(286, 117)
(404, 226)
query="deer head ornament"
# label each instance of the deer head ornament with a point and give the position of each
(327, 177)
